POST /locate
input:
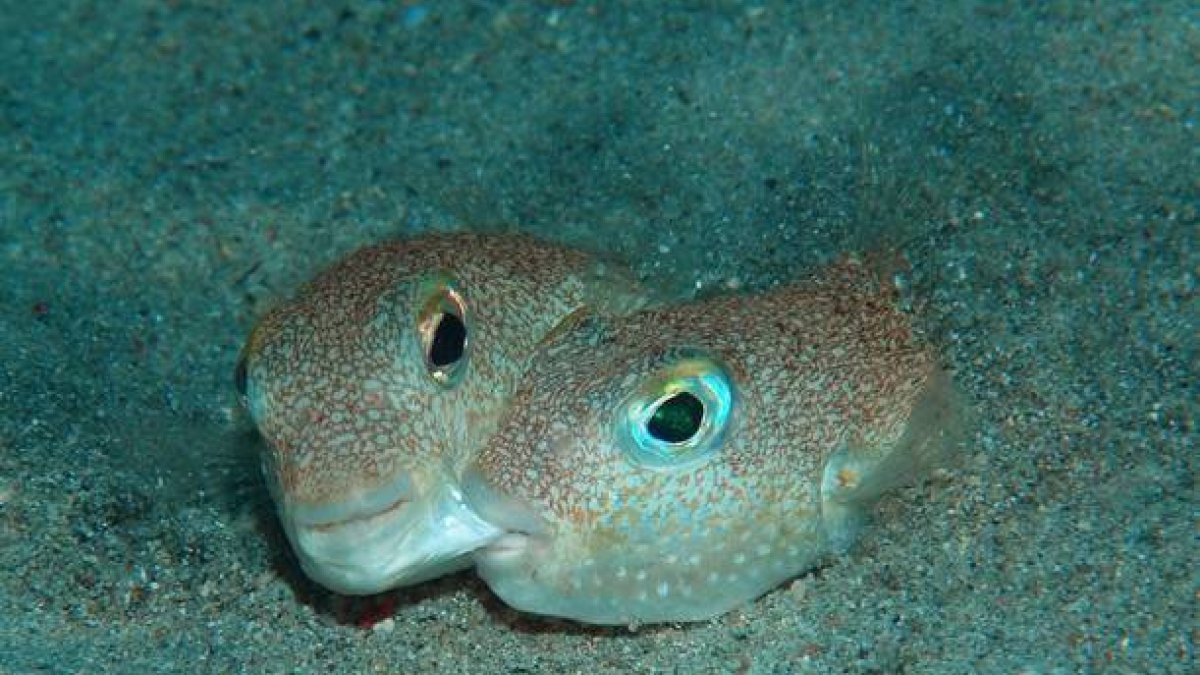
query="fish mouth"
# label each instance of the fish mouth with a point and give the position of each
(364, 508)
(388, 537)
(520, 524)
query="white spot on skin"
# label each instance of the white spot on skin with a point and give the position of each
(663, 589)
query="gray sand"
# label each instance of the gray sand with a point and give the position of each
(168, 170)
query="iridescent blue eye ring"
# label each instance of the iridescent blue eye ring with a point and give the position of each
(678, 418)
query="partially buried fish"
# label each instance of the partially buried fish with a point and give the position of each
(380, 380)
(671, 465)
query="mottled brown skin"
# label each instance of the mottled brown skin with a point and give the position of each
(337, 382)
(834, 401)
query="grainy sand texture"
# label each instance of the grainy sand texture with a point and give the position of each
(168, 170)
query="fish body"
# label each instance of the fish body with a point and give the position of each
(670, 465)
(376, 384)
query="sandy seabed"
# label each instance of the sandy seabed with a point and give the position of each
(169, 170)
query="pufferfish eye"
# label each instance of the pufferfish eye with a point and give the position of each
(443, 329)
(249, 395)
(679, 416)
(676, 419)
(449, 341)
(241, 377)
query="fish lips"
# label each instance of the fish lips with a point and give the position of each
(523, 528)
(391, 536)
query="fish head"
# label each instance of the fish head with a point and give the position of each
(671, 465)
(375, 385)
(625, 487)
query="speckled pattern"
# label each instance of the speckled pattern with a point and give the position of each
(337, 380)
(824, 371)
(320, 360)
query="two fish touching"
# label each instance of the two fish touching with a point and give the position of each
(595, 453)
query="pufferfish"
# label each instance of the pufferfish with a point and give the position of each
(376, 384)
(671, 465)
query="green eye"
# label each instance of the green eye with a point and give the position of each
(443, 329)
(678, 417)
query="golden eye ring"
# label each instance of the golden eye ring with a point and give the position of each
(443, 329)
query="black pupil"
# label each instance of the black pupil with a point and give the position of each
(677, 418)
(449, 341)
(240, 376)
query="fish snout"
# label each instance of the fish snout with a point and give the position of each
(521, 526)
(393, 535)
